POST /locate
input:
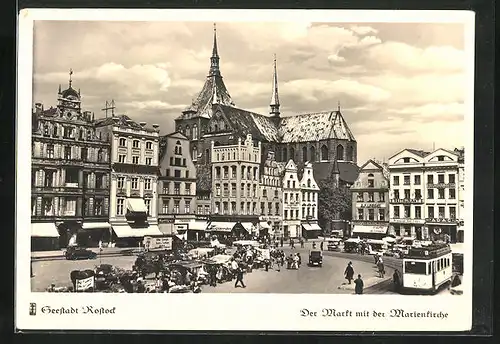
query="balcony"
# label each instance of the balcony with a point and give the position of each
(407, 200)
(441, 185)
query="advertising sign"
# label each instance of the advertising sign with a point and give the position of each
(157, 243)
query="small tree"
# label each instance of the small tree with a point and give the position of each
(334, 201)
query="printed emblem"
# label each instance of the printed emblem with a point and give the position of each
(32, 308)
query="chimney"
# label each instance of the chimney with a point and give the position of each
(38, 108)
(156, 126)
(143, 124)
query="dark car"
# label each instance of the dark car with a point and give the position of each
(75, 252)
(316, 258)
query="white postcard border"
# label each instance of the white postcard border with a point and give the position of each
(228, 312)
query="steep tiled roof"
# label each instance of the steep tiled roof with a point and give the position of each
(204, 178)
(245, 122)
(418, 152)
(122, 120)
(52, 111)
(213, 88)
(314, 127)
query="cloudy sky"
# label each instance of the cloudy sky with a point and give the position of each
(399, 85)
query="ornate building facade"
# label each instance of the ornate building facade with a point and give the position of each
(309, 203)
(292, 214)
(134, 176)
(271, 197)
(70, 175)
(370, 202)
(424, 194)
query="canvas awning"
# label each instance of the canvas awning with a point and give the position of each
(221, 226)
(307, 227)
(197, 225)
(370, 229)
(248, 226)
(96, 225)
(125, 231)
(264, 225)
(315, 227)
(136, 205)
(44, 230)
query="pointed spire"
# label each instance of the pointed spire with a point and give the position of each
(79, 92)
(275, 101)
(93, 116)
(70, 79)
(214, 60)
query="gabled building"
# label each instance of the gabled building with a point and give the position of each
(424, 194)
(271, 193)
(134, 176)
(370, 202)
(309, 203)
(292, 200)
(319, 138)
(70, 175)
(177, 189)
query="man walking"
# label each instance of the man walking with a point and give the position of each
(358, 289)
(239, 278)
(349, 272)
(321, 245)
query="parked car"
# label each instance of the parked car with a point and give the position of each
(316, 258)
(75, 252)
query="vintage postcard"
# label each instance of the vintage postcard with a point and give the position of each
(309, 170)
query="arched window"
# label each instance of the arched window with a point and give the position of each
(340, 152)
(195, 132)
(304, 154)
(216, 128)
(312, 157)
(179, 129)
(100, 155)
(308, 185)
(350, 153)
(324, 153)
(188, 132)
(195, 154)
(54, 130)
(292, 154)
(45, 129)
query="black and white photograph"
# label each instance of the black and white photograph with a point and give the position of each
(308, 168)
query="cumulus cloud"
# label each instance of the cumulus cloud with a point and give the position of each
(396, 82)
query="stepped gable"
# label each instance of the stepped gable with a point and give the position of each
(314, 127)
(245, 122)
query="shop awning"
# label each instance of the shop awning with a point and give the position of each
(96, 225)
(248, 226)
(370, 229)
(44, 230)
(197, 225)
(221, 226)
(307, 227)
(125, 231)
(264, 225)
(136, 205)
(315, 227)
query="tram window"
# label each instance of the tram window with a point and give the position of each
(418, 268)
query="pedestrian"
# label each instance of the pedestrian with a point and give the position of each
(349, 272)
(381, 269)
(299, 259)
(358, 289)
(292, 243)
(266, 264)
(396, 280)
(321, 245)
(281, 242)
(301, 242)
(213, 275)
(239, 278)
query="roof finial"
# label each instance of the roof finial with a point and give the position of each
(275, 101)
(70, 79)
(59, 88)
(338, 106)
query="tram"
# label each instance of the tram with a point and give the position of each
(427, 268)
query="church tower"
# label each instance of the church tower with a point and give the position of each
(275, 101)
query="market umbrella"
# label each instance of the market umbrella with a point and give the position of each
(389, 239)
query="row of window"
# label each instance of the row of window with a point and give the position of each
(223, 156)
(248, 208)
(51, 178)
(430, 179)
(67, 132)
(134, 183)
(180, 162)
(307, 212)
(247, 172)
(247, 190)
(122, 159)
(441, 194)
(190, 133)
(370, 214)
(121, 209)
(67, 207)
(71, 153)
(203, 209)
(176, 208)
(167, 190)
(122, 142)
(370, 197)
(177, 173)
(417, 213)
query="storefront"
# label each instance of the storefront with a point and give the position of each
(197, 231)
(442, 229)
(125, 235)
(44, 236)
(242, 230)
(264, 229)
(369, 231)
(311, 230)
(404, 228)
(92, 233)
(222, 230)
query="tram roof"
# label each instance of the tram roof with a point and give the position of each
(428, 252)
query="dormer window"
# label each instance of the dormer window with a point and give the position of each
(441, 158)
(406, 160)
